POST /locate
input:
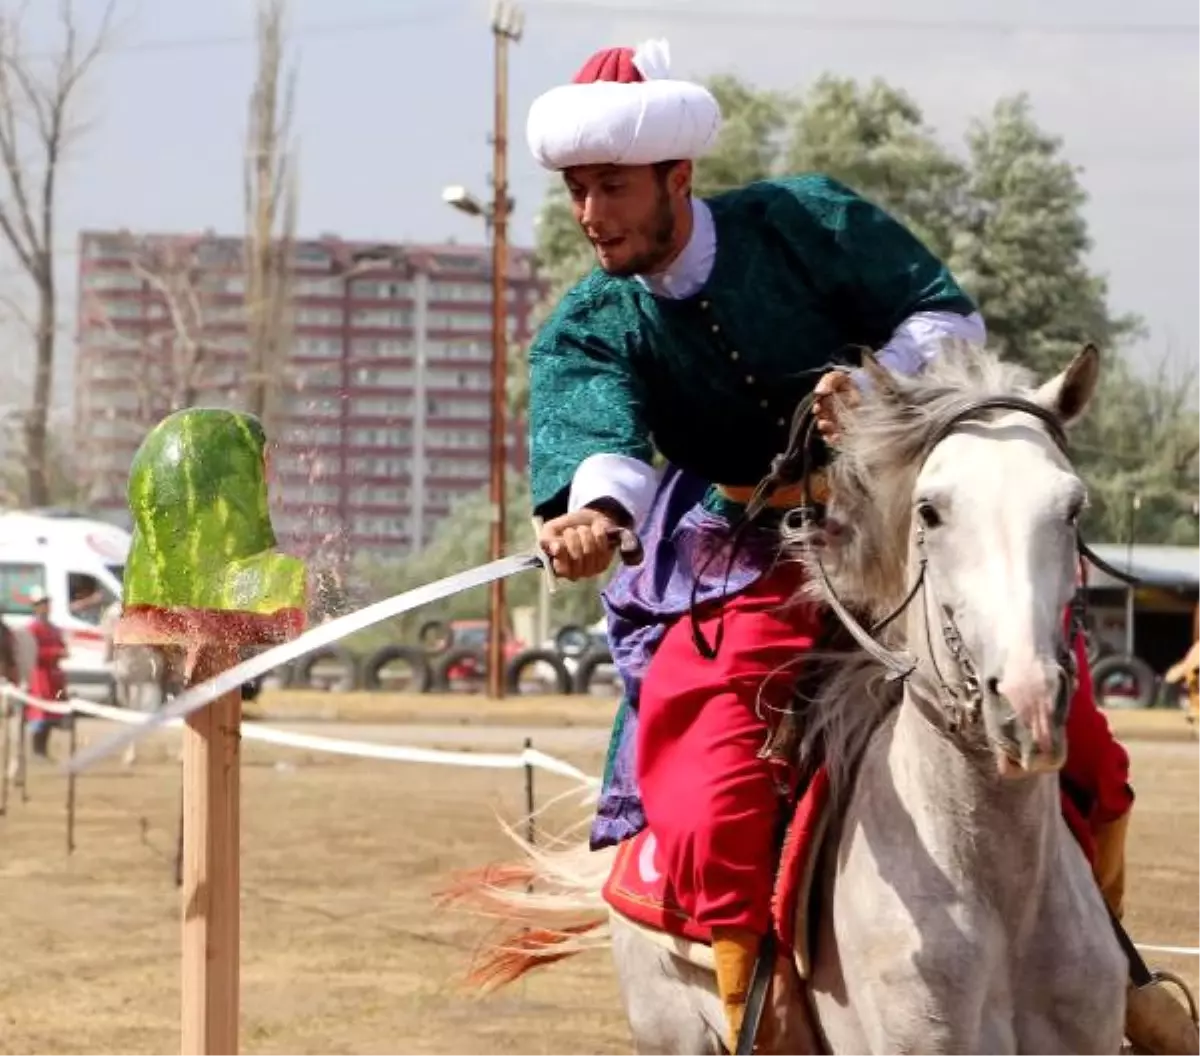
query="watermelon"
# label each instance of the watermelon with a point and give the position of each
(203, 565)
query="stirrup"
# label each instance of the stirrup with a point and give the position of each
(1164, 976)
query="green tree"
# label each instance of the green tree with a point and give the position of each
(1138, 442)
(874, 138)
(1021, 246)
(749, 143)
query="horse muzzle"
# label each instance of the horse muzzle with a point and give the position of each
(1026, 722)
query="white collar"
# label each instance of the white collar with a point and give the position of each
(688, 272)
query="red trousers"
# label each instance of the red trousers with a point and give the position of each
(709, 799)
(711, 802)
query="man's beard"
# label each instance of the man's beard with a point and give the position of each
(660, 233)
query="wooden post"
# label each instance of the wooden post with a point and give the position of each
(23, 752)
(5, 749)
(211, 876)
(73, 738)
(530, 806)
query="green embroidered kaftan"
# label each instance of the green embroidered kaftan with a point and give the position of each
(806, 272)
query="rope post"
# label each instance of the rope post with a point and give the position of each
(72, 740)
(5, 747)
(211, 827)
(179, 840)
(530, 826)
(23, 755)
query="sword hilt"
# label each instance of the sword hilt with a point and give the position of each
(625, 540)
(547, 563)
(629, 546)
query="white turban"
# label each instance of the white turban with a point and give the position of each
(623, 109)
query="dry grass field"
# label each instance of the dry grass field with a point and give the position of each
(343, 948)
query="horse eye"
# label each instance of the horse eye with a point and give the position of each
(929, 515)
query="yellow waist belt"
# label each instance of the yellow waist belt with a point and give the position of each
(815, 487)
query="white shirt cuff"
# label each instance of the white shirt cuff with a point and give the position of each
(920, 338)
(627, 481)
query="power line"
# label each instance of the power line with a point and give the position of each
(780, 15)
(569, 8)
(320, 29)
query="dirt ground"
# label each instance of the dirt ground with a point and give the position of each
(466, 709)
(343, 948)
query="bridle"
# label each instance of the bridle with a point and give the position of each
(960, 697)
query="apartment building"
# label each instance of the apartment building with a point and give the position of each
(384, 406)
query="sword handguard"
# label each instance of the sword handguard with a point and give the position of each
(547, 562)
(629, 550)
(629, 546)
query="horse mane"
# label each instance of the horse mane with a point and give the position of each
(863, 544)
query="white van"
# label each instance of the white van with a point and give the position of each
(79, 563)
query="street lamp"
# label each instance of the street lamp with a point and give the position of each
(458, 197)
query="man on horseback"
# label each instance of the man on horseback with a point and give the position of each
(706, 323)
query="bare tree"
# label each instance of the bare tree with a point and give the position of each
(177, 355)
(270, 197)
(165, 358)
(37, 105)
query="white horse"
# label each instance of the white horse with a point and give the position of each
(957, 914)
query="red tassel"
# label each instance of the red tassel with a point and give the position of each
(506, 961)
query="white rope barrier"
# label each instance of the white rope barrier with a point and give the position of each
(398, 753)
(390, 752)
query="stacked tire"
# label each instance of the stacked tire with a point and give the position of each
(1127, 672)
(313, 671)
(575, 643)
(434, 664)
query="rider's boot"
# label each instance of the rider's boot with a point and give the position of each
(734, 953)
(1109, 864)
(1154, 1021)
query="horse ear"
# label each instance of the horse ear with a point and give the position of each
(1069, 394)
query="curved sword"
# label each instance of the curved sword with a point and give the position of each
(629, 549)
(318, 637)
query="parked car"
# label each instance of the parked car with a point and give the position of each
(464, 657)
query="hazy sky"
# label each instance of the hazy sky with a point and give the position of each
(394, 102)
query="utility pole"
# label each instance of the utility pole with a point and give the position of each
(507, 22)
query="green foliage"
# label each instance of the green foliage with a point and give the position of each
(874, 139)
(1021, 246)
(1139, 439)
(748, 144)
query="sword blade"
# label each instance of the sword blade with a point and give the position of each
(318, 637)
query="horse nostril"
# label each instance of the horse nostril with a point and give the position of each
(993, 686)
